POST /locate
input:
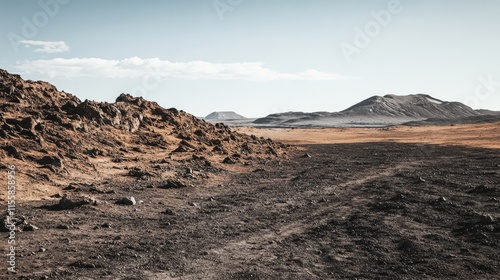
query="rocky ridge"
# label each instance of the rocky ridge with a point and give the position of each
(54, 135)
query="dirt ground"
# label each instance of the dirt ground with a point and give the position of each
(395, 203)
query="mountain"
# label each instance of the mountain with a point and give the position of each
(224, 115)
(410, 106)
(488, 112)
(290, 117)
(376, 111)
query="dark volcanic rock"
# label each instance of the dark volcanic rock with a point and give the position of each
(172, 184)
(51, 160)
(126, 201)
(66, 203)
(44, 126)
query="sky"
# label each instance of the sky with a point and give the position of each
(257, 57)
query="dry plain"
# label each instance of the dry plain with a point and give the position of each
(392, 203)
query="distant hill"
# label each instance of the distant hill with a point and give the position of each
(377, 111)
(488, 112)
(410, 106)
(226, 115)
(290, 117)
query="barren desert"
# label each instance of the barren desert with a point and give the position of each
(131, 190)
(249, 139)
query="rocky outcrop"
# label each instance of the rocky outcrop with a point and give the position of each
(54, 129)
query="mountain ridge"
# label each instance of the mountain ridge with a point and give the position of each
(43, 129)
(377, 110)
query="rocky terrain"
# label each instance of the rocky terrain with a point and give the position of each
(55, 137)
(130, 190)
(344, 211)
(379, 111)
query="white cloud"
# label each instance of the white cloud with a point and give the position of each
(47, 46)
(163, 69)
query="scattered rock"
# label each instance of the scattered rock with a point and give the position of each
(306, 155)
(30, 227)
(62, 226)
(442, 199)
(70, 187)
(488, 219)
(229, 160)
(271, 151)
(138, 173)
(11, 150)
(66, 203)
(180, 149)
(172, 184)
(482, 189)
(95, 152)
(168, 212)
(51, 161)
(126, 201)
(106, 225)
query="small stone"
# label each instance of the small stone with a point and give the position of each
(193, 204)
(489, 228)
(442, 199)
(106, 225)
(168, 212)
(51, 161)
(306, 155)
(30, 227)
(421, 179)
(62, 226)
(172, 184)
(69, 203)
(126, 201)
(228, 160)
(70, 187)
(41, 249)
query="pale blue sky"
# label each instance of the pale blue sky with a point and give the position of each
(259, 56)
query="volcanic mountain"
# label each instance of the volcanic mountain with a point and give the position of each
(53, 138)
(377, 111)
(410, 106)
(223, 115)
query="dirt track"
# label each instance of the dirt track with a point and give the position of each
(364, 210)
